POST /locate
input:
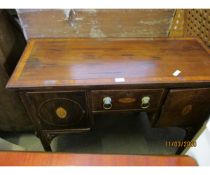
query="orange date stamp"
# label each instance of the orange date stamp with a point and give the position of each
(179, 144)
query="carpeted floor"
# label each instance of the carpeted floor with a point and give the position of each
(113, 134)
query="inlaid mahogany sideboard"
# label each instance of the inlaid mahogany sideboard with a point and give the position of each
(63, 83)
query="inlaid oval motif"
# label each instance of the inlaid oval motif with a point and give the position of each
(126, 100)
(186, 110)
(61, 112)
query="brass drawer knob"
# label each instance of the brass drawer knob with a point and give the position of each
(107, 103)
(61, 112)
(145, 102)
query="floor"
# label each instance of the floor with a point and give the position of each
(115, 134)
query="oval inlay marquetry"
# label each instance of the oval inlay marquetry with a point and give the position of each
(126, 100)
(61, 112)
(186, 110)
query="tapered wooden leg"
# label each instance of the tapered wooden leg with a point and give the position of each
(45, 142)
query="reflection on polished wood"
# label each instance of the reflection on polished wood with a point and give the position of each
(78, 62)
(61, 159)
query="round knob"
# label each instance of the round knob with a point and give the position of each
(145, 102)
(107, 103)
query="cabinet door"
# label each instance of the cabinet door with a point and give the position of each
(60, 110)
(186, 107)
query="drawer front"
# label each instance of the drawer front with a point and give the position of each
(186, 107)
(133, 99)
(60, 110)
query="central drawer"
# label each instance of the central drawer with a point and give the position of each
(132, 99)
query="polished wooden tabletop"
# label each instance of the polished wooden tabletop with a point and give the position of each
(67, 159)
(79, 62)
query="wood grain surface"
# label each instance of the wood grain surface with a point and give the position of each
(74, 104)
(186, 107)
(61, 159)
(79, 62)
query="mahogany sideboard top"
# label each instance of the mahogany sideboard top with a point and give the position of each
(61, 159)
(109, 61)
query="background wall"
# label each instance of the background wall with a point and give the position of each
(116, 23)
(96, 23)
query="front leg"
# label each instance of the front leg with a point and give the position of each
(45, 139)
